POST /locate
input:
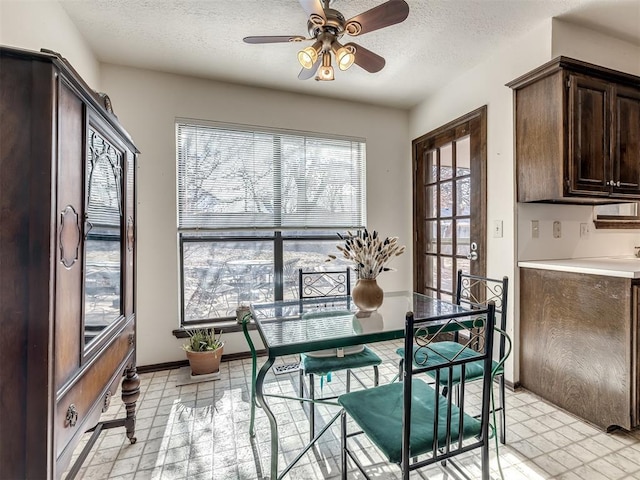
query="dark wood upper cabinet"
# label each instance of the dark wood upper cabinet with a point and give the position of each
(577, 134)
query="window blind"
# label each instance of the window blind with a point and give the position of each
(235, 177)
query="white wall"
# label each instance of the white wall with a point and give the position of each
(597, 243)
(33, 25)
(147, 103)
(588, 45)
(485, 84)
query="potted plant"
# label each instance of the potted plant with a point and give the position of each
(204, 351)
(370, 254)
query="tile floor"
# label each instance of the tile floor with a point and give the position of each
(200, 431)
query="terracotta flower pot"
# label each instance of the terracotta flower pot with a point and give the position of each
(203, 363)
(367, 295)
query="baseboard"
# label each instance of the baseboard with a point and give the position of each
(157, 367)
(512, 386)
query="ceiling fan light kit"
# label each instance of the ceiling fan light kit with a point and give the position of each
(325, 72)
(309, 55)
(326, 26)
(344, 56)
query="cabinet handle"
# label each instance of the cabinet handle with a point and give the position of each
(611, 183)
(72, 415)
(618, 183)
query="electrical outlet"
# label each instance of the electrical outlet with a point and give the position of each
(557, 229)
(535, 229)
(584, 230)
(497, 229)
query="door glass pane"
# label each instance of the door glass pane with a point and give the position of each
(446, 161)
(446, 274)
(431, 166)
(431, 231)
(430, 269)
(463, 196)
(462, 263)
(446, 236)
(463, 230)
(103, 256)
(434, 273)
(446, 199)
(463, 156)
(431, 200)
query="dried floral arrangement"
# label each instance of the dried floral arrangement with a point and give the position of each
(369, 252)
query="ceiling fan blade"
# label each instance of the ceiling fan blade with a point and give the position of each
(366, 59)
(389, 13)
(313, 8)
(307, 73)
(274, 39)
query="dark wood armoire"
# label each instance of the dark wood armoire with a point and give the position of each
(67, 248)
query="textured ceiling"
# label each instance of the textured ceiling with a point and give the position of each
(439, 40)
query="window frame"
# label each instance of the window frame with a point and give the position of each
(617, 221)
(277, 234)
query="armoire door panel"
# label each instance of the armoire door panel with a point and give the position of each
(69, 208)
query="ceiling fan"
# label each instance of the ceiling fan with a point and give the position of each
(326, 26)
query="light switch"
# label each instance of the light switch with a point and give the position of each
(535, 229)
(497, 229)
(557, 229)
(584, 230)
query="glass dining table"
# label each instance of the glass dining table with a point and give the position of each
(312, 324)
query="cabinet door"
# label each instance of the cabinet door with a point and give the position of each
(70, 214)
(104, 235)
(589, 120)
(626, 141)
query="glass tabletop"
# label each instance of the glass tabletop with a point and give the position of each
(297, 326)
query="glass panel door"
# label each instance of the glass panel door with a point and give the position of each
(450, 214)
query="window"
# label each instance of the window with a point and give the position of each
(619, 215)
(256, 204)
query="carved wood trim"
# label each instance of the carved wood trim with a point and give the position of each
(107, 401)
(69, 237)
(130, 233)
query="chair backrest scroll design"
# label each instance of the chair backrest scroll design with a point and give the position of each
(476, 292)
(479, 324)
(327, 283)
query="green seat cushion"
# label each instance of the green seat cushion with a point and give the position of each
(378, 412)
(441, 352)
(324, 365)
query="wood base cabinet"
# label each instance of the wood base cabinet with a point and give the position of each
(67, 240)
(579, 344)
(577, 134)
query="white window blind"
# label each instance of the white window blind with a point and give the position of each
(234, 177)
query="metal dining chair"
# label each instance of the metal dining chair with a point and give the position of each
(476, 292)
(318, 284)
(412, 423)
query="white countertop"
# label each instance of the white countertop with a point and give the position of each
(625, 266)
